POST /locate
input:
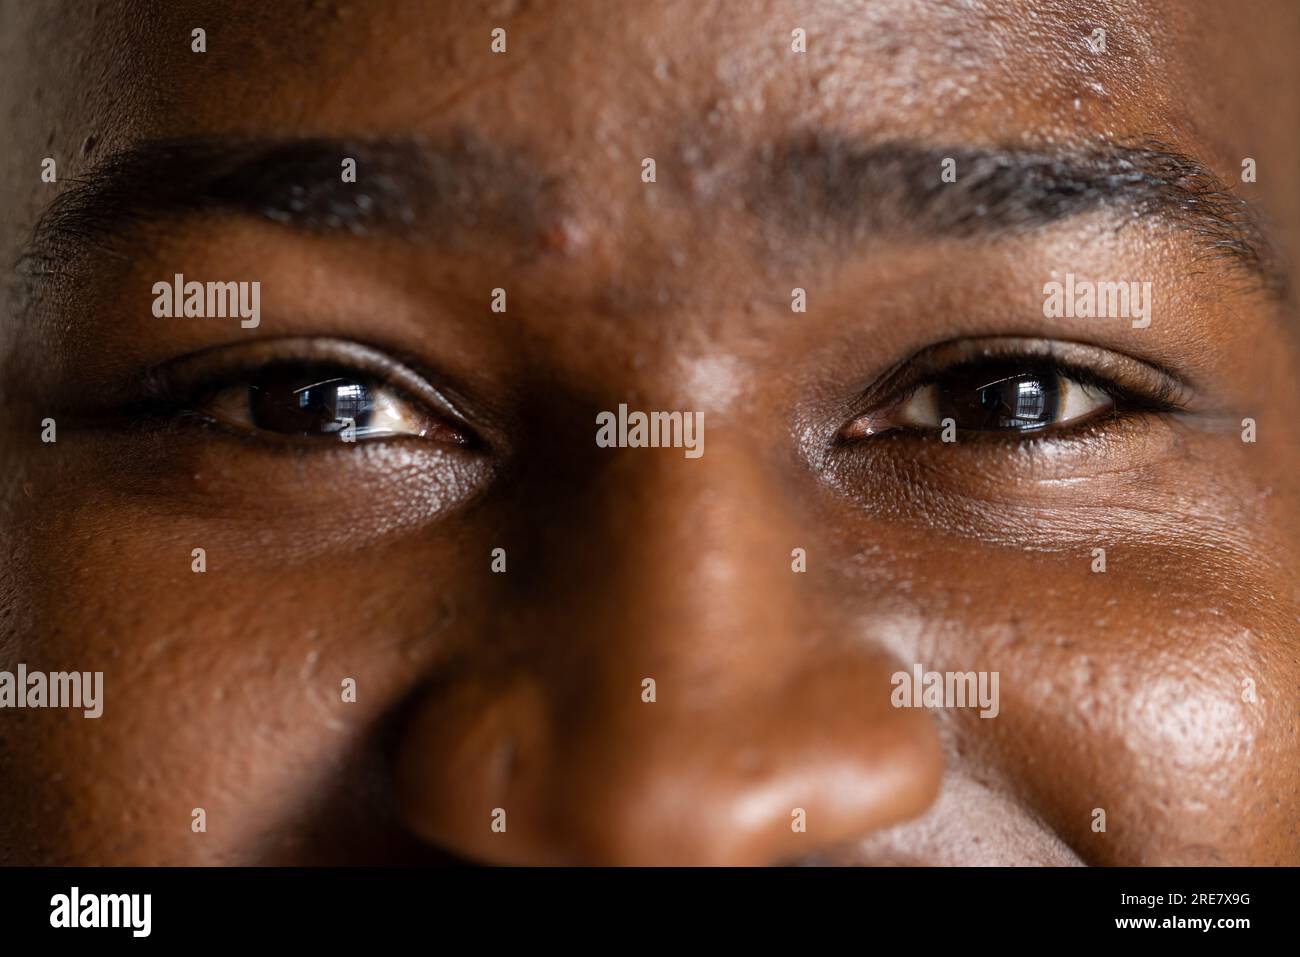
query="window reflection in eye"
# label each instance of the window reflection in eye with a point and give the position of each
(307, 402)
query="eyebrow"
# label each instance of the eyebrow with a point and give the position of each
(442, 189)
(809, 185)
(897, 190)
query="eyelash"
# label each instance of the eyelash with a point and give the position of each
(181, 403)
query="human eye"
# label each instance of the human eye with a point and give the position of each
(1011, 389)
(315, 390)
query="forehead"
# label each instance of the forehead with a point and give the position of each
(671, 73)
(590, 87)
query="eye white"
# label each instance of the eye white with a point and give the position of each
(1079, 400)
(921, 409)
(392, 415)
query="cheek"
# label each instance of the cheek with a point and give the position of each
(1158, 693)
(257, 689)
(1151, 733)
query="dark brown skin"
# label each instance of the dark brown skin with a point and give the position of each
(1120, 691)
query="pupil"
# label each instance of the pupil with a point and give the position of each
(991, 396)
(309, 404)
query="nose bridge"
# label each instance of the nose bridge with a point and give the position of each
(701, 551)
(686, 703)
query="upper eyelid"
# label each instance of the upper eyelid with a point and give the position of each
(1160, 386)
(1080, 375)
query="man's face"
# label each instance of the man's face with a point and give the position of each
(845, 241)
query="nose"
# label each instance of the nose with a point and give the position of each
(673, 693)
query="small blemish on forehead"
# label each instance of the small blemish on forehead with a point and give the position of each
(564, 234)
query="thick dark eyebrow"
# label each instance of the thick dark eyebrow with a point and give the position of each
(896, 189)
(402, 187)
(820, 184)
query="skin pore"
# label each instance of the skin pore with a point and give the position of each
(522, 690)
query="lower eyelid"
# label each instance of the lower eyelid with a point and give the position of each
(204, 427)
(1105, 428)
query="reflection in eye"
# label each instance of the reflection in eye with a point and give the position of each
(1003, 395)
(314, 402)
(994, 396)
